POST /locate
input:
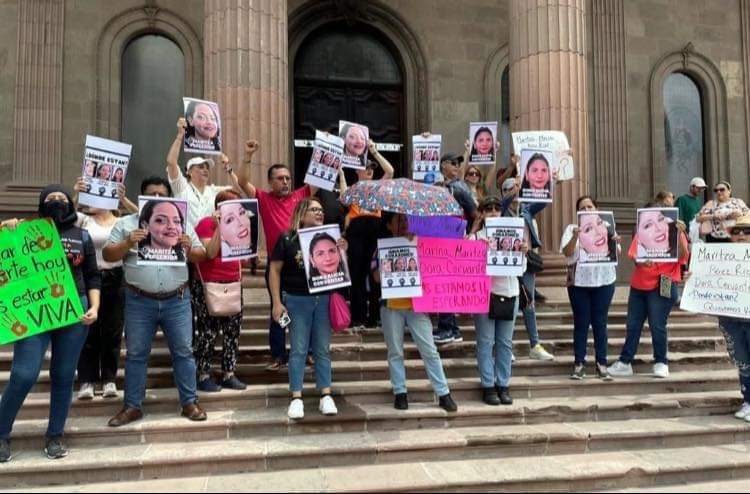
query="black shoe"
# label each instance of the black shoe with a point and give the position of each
(489, 396)
(401, 402)
(5, 455)
(54, 448)
(447, 403)
(457, 338)
(505, 397)
(233, 383)
(208, 386)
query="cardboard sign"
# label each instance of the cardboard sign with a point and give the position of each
(238, 228)
(453, 276)
(719, 284)
(426, 163)
(398, 261)
(552, 140)
(105, 166)
(504, 255)
(657, 237)
(325, 263)
(482, 136)
(596, 238)
(325, 161)
(37, 289)
(355, 138)
(164, 218)
(437, 226)
(203, 133)
(537, 168)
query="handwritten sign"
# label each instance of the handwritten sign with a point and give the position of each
(551, 140)
(437, 226)
(720, 281)
(37, 290)
(453, 276)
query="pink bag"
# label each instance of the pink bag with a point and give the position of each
(338, 313)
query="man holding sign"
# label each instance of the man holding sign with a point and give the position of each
(45, 286)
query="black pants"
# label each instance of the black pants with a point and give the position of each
(100, 356)
(362, 236)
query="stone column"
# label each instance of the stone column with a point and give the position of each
(37, 125)
(548, 92)
(245, 47)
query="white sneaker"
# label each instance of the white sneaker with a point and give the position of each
(661, 370)
(743, 412)
(86, 392)
(539, 353)
(296, 409)
(327, 406)
(512, 357)
(110, 390)
(620, 369)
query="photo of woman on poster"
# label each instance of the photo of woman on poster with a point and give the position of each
(483, 142)
(89, 169)
(119, 175)
(203, 133)
(104, 172)
(400, 265)
(164, 220)
(387, 265)
(537, 171)
(413, 265)
(656, 234)
(597, 238)
(355, 144)
(325, 257)
(235, 229)
(507, 244)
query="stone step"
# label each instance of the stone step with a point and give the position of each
(646, 439)
(244, 423)
(643, 469)
(160, 400)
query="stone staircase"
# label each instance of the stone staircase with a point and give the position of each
(560, 434)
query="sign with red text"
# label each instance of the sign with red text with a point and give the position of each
(453, 276)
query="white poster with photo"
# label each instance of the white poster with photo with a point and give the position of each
(596, 238)
(355, 138)
(325, 263)
(550, 140)
(164, 219)
(325, 162)
(426, 162)
(203, 133)
(537, 184)
(399, 268)
(105, 166)
(504, 254)
(238, 227)
(657, 235)
(482, 138)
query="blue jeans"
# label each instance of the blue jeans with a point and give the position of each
(28, 356)
(495, 349)
(649, 304)
(590, 308)
(529, 312)
(310, 328)
(737, 334)
(142, 316)
(420, 327)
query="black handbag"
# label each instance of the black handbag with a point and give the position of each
(502, 308)
(534, 262)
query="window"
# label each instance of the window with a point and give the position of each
(153, 82)
(683, 132)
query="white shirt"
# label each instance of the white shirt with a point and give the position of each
(505, 286)
(99, 236)
(588, 275)
(200, 204)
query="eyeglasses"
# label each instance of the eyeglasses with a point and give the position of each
(492, 207)
(741, 231)
(315, 210)
(720, 189)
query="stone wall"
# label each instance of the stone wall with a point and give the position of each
(8, 47)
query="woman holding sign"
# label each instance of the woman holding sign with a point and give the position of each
(28, 354)
(590, 290)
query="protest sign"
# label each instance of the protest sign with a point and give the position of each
(355, 138)
(437, 226)
(504, 255)
(203, 133)
(720, 281)
(453, 276)
(164, 219)
(37, 289)
(399, 268)
(426, 163)
(325, 162)
(656, 235)
(551, 140)
(238, 227)
(325, 263)
(596, 238)
(536, 169)
(105, 165)
(482, 136)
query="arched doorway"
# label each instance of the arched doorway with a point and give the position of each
(348, 73)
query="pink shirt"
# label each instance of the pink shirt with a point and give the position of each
(276, 212)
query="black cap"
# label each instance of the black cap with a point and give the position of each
(490, 201)
(452, 157)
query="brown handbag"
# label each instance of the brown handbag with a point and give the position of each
(222, 299)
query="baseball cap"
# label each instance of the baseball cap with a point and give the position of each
(698, 182)
(508, 184)
(452, 157)
(199, 161)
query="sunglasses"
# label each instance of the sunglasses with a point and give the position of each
(720, 189)
(473, 174)
(741, 231)
(493, 207)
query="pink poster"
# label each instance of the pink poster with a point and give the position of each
(454, 278)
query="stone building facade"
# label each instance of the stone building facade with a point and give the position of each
(650, 92)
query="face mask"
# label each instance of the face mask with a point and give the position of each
(55, 210)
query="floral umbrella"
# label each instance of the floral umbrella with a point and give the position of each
(403, 196)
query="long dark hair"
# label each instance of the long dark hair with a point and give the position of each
(190, 131)
(345, 130)
(317, 238)
(145, 218)
(474, 140)
(534, 157)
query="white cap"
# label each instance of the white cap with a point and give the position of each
(698, 182)
(199, 161)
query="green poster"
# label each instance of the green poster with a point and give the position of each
(37, 289)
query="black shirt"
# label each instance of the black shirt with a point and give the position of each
(79, 249)
(293, 277)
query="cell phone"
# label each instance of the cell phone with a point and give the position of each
(285, 320)
(665, 286)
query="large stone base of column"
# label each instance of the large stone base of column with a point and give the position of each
(19, 200)
(555, 271)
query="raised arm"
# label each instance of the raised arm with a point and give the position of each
(465, 162)
(243, 174)
(173, 168)
(492, 173)
(384, 164)
(78, 187)
(342, 183)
